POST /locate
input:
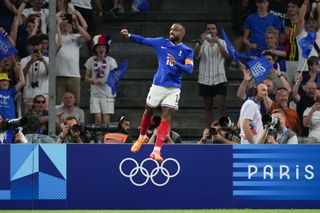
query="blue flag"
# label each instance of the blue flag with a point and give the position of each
(115, 76)
(6, 48)
(232, 52)
(259, 68)
(142, 5)
(306, 43)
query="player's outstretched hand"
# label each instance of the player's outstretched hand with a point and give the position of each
(125, 33)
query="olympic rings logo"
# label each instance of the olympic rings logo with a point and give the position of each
(157, 170)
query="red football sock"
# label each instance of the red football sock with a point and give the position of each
(162, 133)
(145, 123)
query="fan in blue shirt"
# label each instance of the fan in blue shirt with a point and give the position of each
(174, 58)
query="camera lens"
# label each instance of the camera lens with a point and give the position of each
(213, 131)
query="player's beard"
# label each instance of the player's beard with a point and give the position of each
(172, 38)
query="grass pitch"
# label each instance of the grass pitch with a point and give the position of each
(170, 211)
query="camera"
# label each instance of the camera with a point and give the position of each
(209, 36)
(226, 123)
(35, 84)
(213, 131)
(269, 120)
(75, 128)
(14, 124)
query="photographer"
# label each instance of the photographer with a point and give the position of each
(275, 131)
(122, 134)
(217, 135)
(71, 132)
(171, 138)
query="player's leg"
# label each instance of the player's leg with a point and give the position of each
(144, 125)
(162, 133)
(154, 97)
(169, 105)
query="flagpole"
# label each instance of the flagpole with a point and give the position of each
(305, 63)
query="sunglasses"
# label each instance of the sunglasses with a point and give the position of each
(38, 102)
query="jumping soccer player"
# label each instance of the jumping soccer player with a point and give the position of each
(174, 57)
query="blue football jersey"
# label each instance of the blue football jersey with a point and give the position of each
(168, 75)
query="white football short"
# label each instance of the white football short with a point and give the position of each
(101, 105)
(164, 96)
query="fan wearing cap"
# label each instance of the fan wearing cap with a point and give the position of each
(98, 68)
(7, 105)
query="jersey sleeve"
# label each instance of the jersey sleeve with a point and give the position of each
(188, 62)
(152, 42)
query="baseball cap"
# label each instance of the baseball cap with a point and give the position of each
(4, 76)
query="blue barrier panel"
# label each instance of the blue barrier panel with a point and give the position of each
(98, 176)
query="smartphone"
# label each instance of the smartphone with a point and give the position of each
(67, 17)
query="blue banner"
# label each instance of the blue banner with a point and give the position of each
(6, 48)
(100, 176)
(259, 68)
(232, 52)
(306, 43)
(115, 76)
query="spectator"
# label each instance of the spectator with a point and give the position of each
(282, 102)
(37, 117)
(7, 65)
(8, 9)
(279, 9)
(279, 78)
(7, 105)
(250, 117)
(68, 109)
(36, 69)
(304, 101)
(67, 60)
(290, 44)
(212, 75)
(311, 26)
(256, 25)
(272, 37)
(37, 8)
(216, 134)
(44, 38)
(21, 34)
(283, 134)
(85, 9)
(122, 134)
(71, 132)
(98, 68)
(311, 119)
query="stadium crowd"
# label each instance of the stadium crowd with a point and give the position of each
(283, 106)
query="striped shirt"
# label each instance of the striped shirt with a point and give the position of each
(211, 67)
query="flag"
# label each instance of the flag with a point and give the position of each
(142, 5)
(306, 43)
(259, 68)
(232, 52)
(115, 76)
(6, 48)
